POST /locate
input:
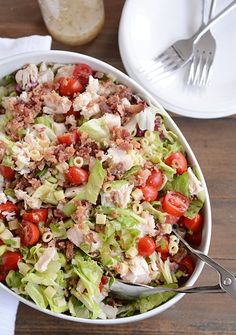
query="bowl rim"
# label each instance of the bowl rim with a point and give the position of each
(13, 63)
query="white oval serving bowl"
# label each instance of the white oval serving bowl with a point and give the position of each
(13, 63)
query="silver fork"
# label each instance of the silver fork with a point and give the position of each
(180, 53)
(203, 53)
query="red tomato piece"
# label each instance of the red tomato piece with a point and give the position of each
(155, 179)
(36, 215)
(175, 203)
(103, 282)
(8, 207)
(149, 193)
(69, 86)
(29, 234)
(9, 260)
(194, 225)
(77, 176)
(82, 73)
(1, 242)
(163, 247)
(69, 138)
(7, 172)
(177, 161)
(146, 246)
(187, 265)
(194, 239)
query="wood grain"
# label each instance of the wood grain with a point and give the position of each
(213, 142)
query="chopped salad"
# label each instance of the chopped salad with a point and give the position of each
(91, 182)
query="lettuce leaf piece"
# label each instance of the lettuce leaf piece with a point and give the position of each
(194, 207)
(97, 129)
(46, 120)
(168, 171)
(90, 275)
(6, 140)
(181, 184)
(56, 300)
(152, 301)
(91, 190)
(145, 304)
(46, 278)
(78, 309)
(36, 293)
(153, 211)
(131, 172)
(13, 279)
(8, 161)
(123, 215)
(45, 193)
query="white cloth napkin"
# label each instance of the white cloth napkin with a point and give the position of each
(8, 309)
(14, 46)
(10, 47)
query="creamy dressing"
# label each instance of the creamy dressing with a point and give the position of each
(73, 22)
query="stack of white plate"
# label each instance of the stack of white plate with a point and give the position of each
(149, 27)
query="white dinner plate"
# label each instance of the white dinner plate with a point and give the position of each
(148, 27)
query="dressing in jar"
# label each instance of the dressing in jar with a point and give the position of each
(73, 22)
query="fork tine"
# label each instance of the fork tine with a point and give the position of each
(162, 55)
(166, 72)
(198, 70)
(206, 71)
(192, 70)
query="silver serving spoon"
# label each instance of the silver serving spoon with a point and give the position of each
(227, 281)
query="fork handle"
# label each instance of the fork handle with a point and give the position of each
(212, 22)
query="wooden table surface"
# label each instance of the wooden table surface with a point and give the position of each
(213, 142)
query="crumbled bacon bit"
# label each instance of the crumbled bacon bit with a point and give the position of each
(104, 108)
(58, 214)
(69, 250)
(65, 155)
(24, 113)
(82, 212)
(117, 170)
(35, 183)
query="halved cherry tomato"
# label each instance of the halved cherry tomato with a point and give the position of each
(9, 260)
(163, 247)
(29, 234)
(155, 179)
(149, 193)
(69, 86)
(1, 242)
(194, 225)
(146, 246)
(69, 138)
(194, 239)
(76, 175)
(175, 203)
(7, 172)
(82, 73)
(177, 161)
(187, 265)
(36, 215)
(8, 207)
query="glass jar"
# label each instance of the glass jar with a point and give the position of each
(73, 22)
